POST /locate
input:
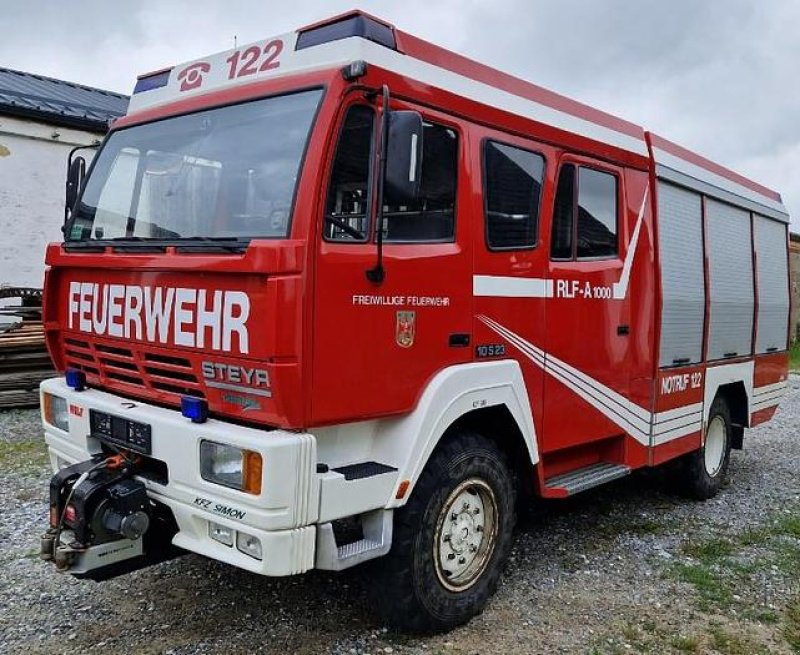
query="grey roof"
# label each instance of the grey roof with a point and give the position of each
(59, 102)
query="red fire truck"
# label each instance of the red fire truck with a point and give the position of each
(342, 295)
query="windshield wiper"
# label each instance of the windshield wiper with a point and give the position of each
(231, 244)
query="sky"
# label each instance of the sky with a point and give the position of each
(719, 77)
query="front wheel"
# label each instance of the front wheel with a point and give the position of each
(704, 470)
(451, 539)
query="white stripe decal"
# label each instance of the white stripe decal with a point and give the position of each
(635, 420)
(631, 418)
(497, 286)
(486, 94)
(769, 388)
(620, 289)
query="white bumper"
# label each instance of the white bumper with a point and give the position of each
(283, 516)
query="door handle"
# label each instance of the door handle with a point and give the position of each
(458, 340)
(623, 330)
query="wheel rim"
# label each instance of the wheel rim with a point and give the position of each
(465, 534)
(715, 446)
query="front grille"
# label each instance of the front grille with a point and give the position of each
(135, 369)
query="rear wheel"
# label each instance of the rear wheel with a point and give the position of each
(451, 539)
(703, 472)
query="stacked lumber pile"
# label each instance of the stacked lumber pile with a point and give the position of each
(24, 361)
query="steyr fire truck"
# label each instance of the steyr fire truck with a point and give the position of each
(342, 295)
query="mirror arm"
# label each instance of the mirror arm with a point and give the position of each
(68, 210)
(378, 273)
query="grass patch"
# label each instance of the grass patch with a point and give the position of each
(708, 552)
(792, 630)
(794, 356)
(788, 525)
(23, 456)
(730, 644)
(685, 644)
(711, 587)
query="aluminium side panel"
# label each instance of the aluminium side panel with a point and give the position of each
(730, 269)
(773, 284)
(680, 237)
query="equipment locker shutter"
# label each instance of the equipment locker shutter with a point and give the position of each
(680, 236)
(730, 271)
(773, 285)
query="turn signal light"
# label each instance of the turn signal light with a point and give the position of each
(252, 472)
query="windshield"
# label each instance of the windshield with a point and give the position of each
(225, 173)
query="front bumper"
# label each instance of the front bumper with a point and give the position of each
(283, 517)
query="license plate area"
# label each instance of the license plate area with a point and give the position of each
(121, 432)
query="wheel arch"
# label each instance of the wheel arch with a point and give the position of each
(468, 395)
(735, 383)
(497, 424)
(735, 396)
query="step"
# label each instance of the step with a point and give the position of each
(377, 530)
(569, 484)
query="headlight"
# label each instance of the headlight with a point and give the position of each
(54, 411)
(230, 466)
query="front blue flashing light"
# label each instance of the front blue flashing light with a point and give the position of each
(195, 409)
(75, 379)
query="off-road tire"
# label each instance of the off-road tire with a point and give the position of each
(409, 592)
(695, 480)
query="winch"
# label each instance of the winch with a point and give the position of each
(101, 520)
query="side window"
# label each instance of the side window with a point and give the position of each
(347, 208)
(563, 214)
(512, 188)
(597, 214)
(591, 196)
(432, 217)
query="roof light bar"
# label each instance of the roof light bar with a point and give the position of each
(152, 81)
(345, 27)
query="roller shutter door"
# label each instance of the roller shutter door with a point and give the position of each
(730, 267)
(773, 285)
(680, 235)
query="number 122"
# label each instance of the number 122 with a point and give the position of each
(250, 57)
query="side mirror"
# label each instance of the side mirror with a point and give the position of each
(403, 171)
(75, 174)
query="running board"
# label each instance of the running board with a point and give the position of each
(377, 529)
(569, 484)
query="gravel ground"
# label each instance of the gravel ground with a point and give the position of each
(626, 568)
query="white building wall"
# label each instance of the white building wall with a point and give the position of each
(33, 162)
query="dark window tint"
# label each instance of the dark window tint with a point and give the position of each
(347, 209)
(513, 184)
(563, 213)
(432, 217)
(597, 214)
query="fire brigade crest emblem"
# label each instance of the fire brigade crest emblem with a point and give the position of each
(405, 329)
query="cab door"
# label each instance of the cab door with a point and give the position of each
(588, 316)
(511, 256)
(377, 345)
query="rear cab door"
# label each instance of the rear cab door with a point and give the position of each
(588, 324)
